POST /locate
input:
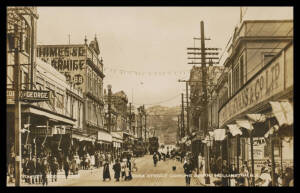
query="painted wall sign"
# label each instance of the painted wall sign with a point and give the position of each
(70, 60)
(266, 84)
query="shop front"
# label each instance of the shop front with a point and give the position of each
(117, 144)
(105, 140)
(259, 118)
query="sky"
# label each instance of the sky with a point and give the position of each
(146, 40)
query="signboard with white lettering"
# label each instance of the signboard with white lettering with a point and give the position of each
(27, 95)
(267, 84)
(10, 96)
(67, 59)
(35, 95)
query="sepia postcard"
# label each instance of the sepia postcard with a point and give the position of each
(150, 96)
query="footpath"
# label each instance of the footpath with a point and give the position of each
(61, 179)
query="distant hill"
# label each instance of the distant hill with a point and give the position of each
(163, 120)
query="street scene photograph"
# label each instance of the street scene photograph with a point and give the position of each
(150, 96)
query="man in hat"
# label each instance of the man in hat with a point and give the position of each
(117, 170)
(188, 169)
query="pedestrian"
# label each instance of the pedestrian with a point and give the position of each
(66, 167)
(264, 178)
(54, 168)
(159, 156)
(26, 170)
(31, 168)
(123, 166)
(225, 173)
(106, 173)
(117, 170)
(109, 158)
(128, 175)
(188, 168)
(288, 178)
(233, 174)
(39, 169)
(101, 159)
(44, 171)
(155, 159)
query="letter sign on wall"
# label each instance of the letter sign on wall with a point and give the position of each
(268, 83)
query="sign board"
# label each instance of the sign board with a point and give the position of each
(265, 85)
(35, 95)
(10, 96)
(42, 131)
(258, 149)
(27, 95)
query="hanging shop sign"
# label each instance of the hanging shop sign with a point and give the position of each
(28, 95)
(266, 84)
(35, 95)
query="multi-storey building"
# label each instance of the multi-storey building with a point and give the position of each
(259, 70)
(82, 67)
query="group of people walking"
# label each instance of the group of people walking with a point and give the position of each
(121, 170)
(230, 176)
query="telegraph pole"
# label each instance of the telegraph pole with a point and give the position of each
(204, 79)
(182, 115)
(187, 109)
(17, 108)
(204, 114)
(178, 130)
(130, 116)
(145, 114)
(109, 108)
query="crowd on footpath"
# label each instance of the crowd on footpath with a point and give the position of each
(225, 174)
(45, 167)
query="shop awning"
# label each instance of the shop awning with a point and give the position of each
(234, 130)
(219, 134)
(104, 136)
(39, 112)
(82, 137)
(284, 112)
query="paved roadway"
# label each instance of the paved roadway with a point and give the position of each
(147, 175)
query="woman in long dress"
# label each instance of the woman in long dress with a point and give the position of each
(106, 173)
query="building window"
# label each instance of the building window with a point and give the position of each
(66, 105)
(25, 80)
(52, 97)
(229, 84)
(60, 101)
(79, 115)
(26, 39)
(71, 106)
(242, 79)
(235, 79)
(89, 110)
